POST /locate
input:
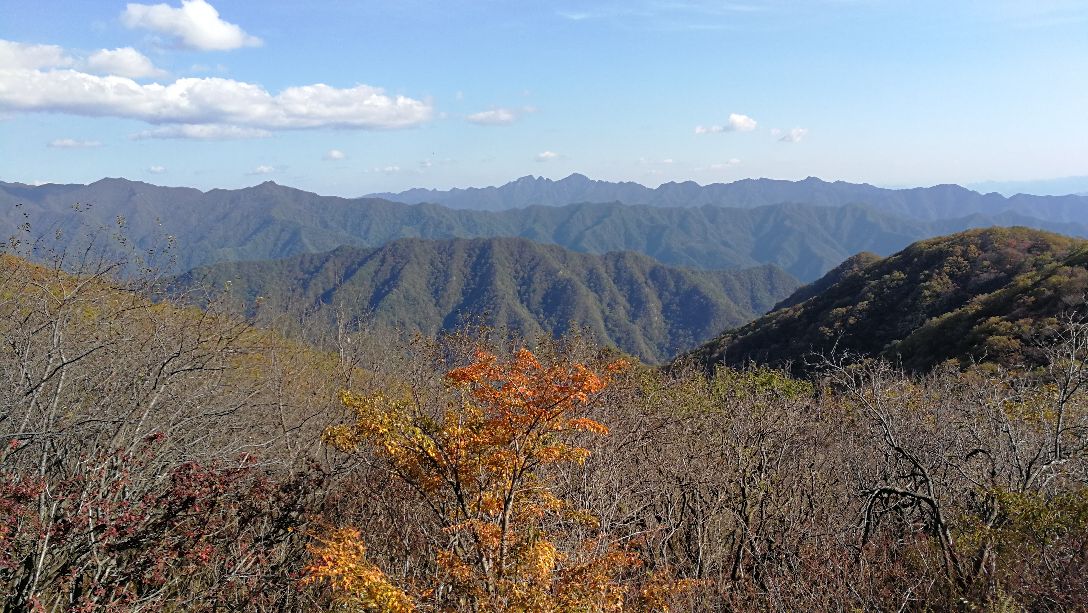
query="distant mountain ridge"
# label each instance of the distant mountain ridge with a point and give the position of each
(1043, 187)
(985, 295)
(924, 203)
(623, 299)
(270, 221)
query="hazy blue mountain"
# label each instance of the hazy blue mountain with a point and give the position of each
(624, 299)
(1043, 187)
(270, 221)
(926, 203)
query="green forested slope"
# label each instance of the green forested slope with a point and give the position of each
(624, 299)
(977, 295)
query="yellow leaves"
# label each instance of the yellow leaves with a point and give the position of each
(339, 560)
(587, 425)
(542, 557)
(477, 462)
(492, 504)
(341, 437)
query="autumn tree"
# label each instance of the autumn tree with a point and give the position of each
(480, 462)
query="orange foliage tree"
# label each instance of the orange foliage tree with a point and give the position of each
(480, 465)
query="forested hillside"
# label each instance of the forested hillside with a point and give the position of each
(270, 221)
(622, 299)
(981, 295)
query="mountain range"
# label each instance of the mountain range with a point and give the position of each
(269, 221)
(625, 300)
(982, 295)
(924, 203)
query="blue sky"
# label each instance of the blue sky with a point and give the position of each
(351, 97)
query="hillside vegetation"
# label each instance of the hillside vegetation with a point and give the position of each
(162, 458)
(981, 295)
(625, 300)
(156, 457)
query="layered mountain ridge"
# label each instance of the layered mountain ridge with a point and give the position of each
(925, 203)
(270, 221)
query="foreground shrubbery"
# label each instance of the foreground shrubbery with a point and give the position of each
(160, 458)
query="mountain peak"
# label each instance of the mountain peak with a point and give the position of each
(575, 177)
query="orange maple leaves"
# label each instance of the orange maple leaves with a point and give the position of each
(479, 461)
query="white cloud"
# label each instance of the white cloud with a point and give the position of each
(499, 116)
(334, 154)
(494, 117)
(157, 170)
(71, 143)
(21, 56)
(123, 62)
(210, 100)
(545, 156)
(737, 123)
(202, 132)
(793, 136)
(388, 169)
(263, 169)
(195, 25)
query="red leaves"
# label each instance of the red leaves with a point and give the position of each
(116, 529)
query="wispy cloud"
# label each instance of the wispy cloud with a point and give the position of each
(202, 132)
(731, 162)
(263, 169)
(194, 25)
(431, 163)
(794, 135)
(157, 170)
(71, 143)
(333, 155)
(673, 15)
(499, 116)
(736, 123)
(547, 156)
(494, 117)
